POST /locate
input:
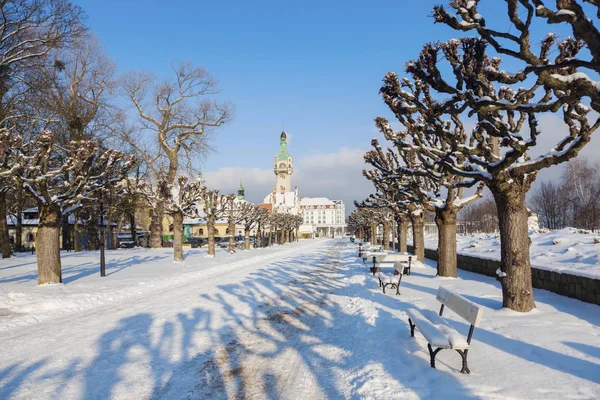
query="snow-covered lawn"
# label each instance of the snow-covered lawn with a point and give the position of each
(567, 250)
(300, 321)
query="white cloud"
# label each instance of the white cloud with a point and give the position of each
(336, 175)
(256, 181)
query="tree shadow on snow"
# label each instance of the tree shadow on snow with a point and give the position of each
(299, 326)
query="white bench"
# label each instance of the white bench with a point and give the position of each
(437, 330)
(392, 257)
(364, 248)
(392, 280)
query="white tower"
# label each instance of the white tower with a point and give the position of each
(284, 167)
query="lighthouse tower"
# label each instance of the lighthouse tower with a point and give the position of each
(284, 167)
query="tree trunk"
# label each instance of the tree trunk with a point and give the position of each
(258, 237)
(270, 237)
(156, 228)
(19, 220)
(211, 234)
(386, 236)
(247, 238)
(446, 224)
(394, 237)
(418, 235)
(178, 236)
(402, 234)
(92, 233)
(231, 241)
(76, 234)
(373, 234)
(4, 237)
(133, 228)
(47, 244)
(281, 236)
(517, 291)
(66, 240)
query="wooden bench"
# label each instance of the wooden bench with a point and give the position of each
(392, 280)
(439, 333)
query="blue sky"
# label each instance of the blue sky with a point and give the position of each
(313, 67)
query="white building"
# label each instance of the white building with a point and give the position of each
(322, 217)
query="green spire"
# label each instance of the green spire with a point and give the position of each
(283, 154)
(241, 191)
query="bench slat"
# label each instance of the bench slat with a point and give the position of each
(428, 330)
(456, 340)
(460, 305)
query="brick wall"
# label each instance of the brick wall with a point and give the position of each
(578, 287)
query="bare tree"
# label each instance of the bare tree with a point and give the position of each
(73, 88)
(480, 217)
(552, 79)
(550, 202)
(174, 117)
(45, 176)
(248, 215)
(29, 29)
(418, 158)
(215, 207)
(181, 202)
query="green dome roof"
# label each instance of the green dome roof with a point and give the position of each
(283, 154)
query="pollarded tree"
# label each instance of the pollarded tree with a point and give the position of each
(358, 223)
(277, 223)
(370, 218)
(383, 213)
(497, 151)
(10, 164)
(296, 222)
(261, 224)
(436, 189)
(232, 205)
(392, 183)
(44, 175)
(174, 117)
(182, 201)
(215, 207)
(248, 215)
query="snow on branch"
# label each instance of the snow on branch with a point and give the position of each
(78, 174)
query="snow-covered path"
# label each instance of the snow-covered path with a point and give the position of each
(301, 321)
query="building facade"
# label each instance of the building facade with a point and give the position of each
(322, 217)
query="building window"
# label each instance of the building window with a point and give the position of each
(30, 237)
(201, 231)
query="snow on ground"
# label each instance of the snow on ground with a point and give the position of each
(300, 321)
(566, 250)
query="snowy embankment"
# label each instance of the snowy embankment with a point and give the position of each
(568, 250)
(301, 321)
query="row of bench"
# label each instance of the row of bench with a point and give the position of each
(434, 327)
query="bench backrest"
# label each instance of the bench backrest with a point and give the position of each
(461, 306)
(398, 266)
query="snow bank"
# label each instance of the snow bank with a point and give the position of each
(568, 250)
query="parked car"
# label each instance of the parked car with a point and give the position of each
(196, 242)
